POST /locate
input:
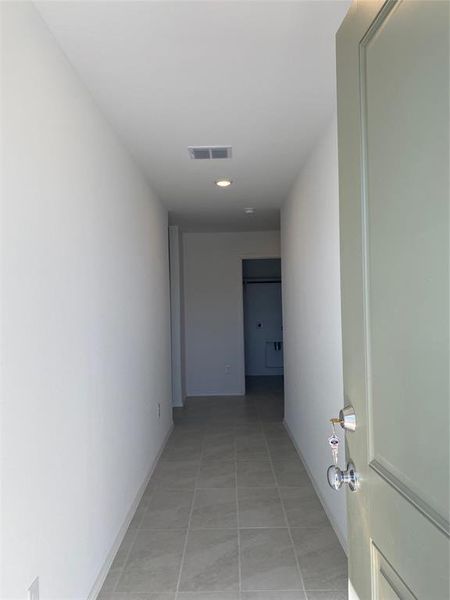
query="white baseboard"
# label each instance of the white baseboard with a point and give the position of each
(119, 538)
(331, 518)
(352, 595)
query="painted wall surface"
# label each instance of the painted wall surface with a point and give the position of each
(213, 299)
(312, 316)
(85, 322)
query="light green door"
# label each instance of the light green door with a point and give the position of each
(393, 119)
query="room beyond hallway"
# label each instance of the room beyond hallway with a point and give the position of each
(229, 513)
(263, 317)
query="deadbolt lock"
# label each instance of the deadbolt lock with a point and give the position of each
(346, 419)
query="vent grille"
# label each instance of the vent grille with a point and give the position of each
(209, 152)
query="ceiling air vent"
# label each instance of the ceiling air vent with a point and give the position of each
(209, 152)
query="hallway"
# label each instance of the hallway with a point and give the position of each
(165, 401)
(229, 513)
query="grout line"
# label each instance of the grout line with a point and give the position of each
(135, 529)
(237, 517)
(189, 522)
(286, 519)
(121, 569)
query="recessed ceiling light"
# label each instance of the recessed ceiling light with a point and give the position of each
(223, 183)
(249, 211)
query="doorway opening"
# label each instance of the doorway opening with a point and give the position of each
(263, 326)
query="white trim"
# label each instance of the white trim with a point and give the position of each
(352, 595)
(95, 590)
(331, 518)
(175, 275)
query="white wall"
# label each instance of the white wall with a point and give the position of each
(214, 338)
(312, 316)
(85, 323)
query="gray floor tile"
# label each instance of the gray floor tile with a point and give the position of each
(249, 417)
(279, 441)
(140, 512)
(219, 454)
(226, 420)
(281, 450)
(283, 454)
(122, 553)
(154, 596)
(322, 561)
(150, 486)
(245, 428)
(168, 509)
(227, 439)
(268, 560)
(214, 508)
(252, 453)
(254, 441)
(255, 473)
(211, 561)
(302, 506)
(273, 596)
(175, 475)
(223, 449)
(221, 437)
(208, 596)
(181, 454)
(217, 474)
(274, 430)
(182, 446)
(219, 429)
(260, 507)
(339, 595)
(186, 425)
(110, 583)
(154, 562)
(220, 434)
(186, 437)
(290, 473)
(271, 416)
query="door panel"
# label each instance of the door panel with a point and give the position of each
(393, 119)
(406, 246)
(386, 583)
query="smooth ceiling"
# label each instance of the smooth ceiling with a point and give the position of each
(259, 76)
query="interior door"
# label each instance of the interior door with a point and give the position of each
(393, 124)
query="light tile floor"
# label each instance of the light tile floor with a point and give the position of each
(230, 513)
